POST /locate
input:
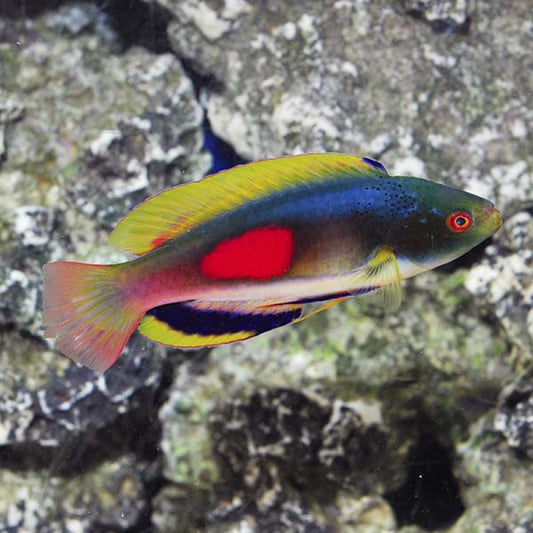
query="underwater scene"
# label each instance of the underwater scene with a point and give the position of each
(266, 266)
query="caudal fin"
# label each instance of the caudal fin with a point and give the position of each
(84, 309)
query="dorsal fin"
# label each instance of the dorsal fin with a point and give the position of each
(376, 164)
(177, 210)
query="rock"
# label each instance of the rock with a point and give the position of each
(129, 125)
(77, 19)
(15, 9)
(276, 440)
(111, 496)
(366, 515)
(179, 508)
(313, 444)
(186, 444)
(211, 439)
(442, 15)
(141, 123)
(20, 291)
(355, 420)
(73, 418)
(370, 78)
(503, 281)
(497, 483)
(514, 418)
(86, 132)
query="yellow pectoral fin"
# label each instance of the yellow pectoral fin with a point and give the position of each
(382, 276)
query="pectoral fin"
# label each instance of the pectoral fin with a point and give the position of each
(378, 280)
(381, 279)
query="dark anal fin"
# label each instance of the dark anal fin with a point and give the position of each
(196, 324)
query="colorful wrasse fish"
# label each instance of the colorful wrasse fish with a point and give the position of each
(241, 252)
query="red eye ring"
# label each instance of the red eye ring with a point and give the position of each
(459, 221)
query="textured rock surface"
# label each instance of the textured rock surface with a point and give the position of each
(109, 498)
(449, 98)
(504, 281)
(496, 466)
(85, 133)
(356, 420)
(115, 128)
(280, 439)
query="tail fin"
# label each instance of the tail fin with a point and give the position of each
(84, 308)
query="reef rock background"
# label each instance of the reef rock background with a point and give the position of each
(356, 420)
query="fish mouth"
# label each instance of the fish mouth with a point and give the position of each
(494, 217)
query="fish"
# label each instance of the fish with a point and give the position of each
(253, 248)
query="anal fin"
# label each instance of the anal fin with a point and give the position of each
(196, 324)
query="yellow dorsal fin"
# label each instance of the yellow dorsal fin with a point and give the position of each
(175, 211)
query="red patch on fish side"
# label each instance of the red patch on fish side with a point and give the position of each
(261, 253)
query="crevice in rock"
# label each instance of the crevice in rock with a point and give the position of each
(139, 23)
(24, 457)
(223, 154)
(443, 22)
(442, 25)
(144, 23)
(430, 496)
(21, 9)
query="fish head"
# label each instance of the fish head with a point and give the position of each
(442, 224)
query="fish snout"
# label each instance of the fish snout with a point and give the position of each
(493, 217)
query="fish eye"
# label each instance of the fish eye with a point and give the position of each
(459, 221)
